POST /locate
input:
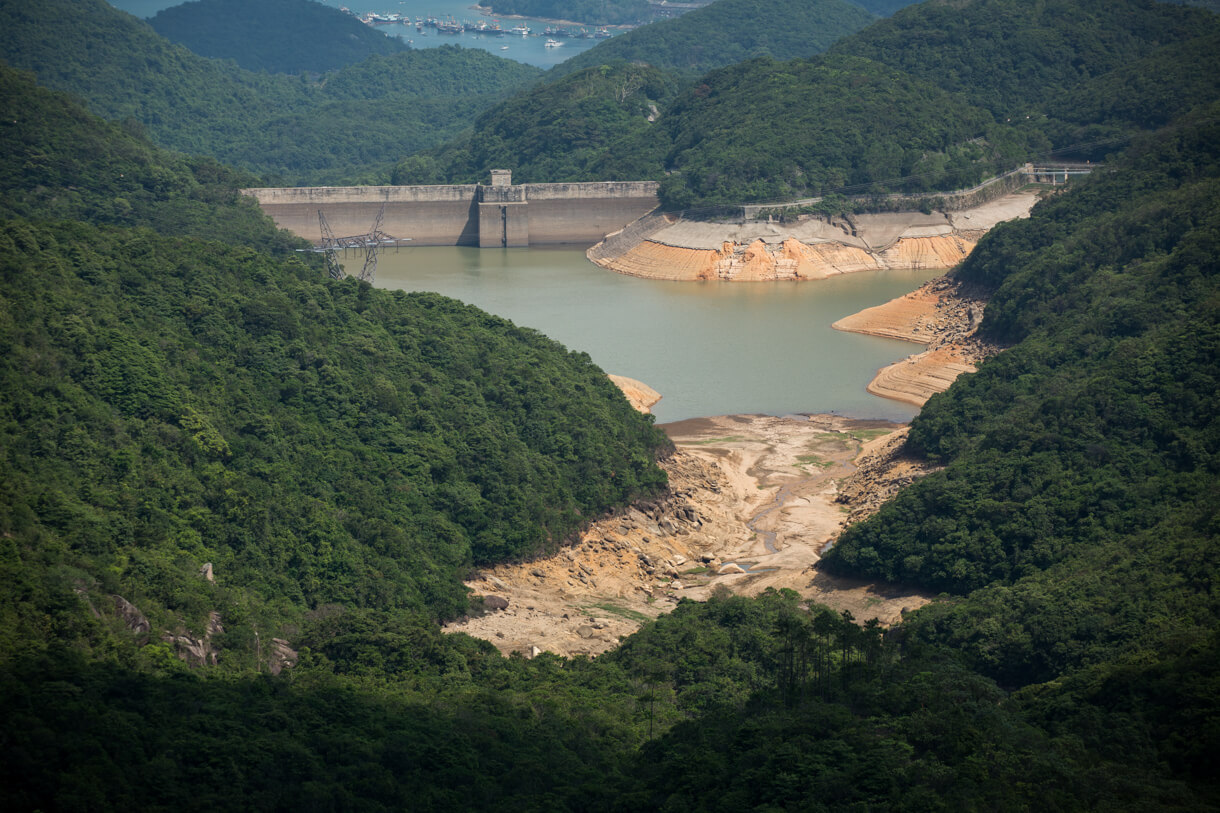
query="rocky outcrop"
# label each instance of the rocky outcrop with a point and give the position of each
(283, 656)
(641, 396)
(760, 261)
(197, 651)
(941, 315)
(133, 619)
(880, 473)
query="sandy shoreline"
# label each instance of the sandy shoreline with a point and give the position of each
(753, 501)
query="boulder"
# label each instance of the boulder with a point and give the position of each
(726, 569)
(283, 656)
(495, 602)
(133, 619)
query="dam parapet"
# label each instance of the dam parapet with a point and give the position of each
(494, 215)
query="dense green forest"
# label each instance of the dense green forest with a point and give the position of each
(349, 125)
(1008, 56)
(725, 32)
(876, 114)
(277, 36)
(296, 424)
(572, 129)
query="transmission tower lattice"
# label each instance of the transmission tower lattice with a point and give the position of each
(374, 239)
(329, 243)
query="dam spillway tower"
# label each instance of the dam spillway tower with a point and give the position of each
(504, 220)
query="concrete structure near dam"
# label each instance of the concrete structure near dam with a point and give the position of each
(494, 215)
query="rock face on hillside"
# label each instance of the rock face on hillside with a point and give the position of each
(940, 315)
(808, 248)
(639, 395)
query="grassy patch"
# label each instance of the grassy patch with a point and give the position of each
(813, 460)
(622, 612)
(694, 571)
(865, 435)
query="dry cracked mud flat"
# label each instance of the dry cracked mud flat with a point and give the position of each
(753, 500)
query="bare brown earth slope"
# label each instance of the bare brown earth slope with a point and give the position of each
(752, 502)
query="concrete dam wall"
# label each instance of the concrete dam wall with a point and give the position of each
(496, 215)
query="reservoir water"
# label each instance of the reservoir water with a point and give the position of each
(708, 348)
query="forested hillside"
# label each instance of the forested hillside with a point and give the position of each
(935, 98)
(1008, 56)
(352, 124)
(573, 129)
(1077, 513)
(725, 32)
(316, 442)
(277, 36)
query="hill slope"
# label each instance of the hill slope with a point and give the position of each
(904, 105)
(400, 438)
(367, 116)
(277, 36)
(728, 31)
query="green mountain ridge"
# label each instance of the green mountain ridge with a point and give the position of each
(725, 32)
(278, 36)
(286, 129)
(932, 99)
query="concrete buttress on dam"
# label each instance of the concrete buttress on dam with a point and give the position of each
(494, 215)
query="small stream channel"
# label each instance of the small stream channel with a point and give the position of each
(769, 537)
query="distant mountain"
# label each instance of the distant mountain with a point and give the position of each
(728, 31)
(352, 124)
(278, 36)
(1010, 56)
(564, 129)
(938, 97)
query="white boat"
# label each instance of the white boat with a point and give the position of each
(522, 29)
(503, 47)
(553, 43)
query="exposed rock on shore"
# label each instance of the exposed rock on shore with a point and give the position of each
(639, 395)
(941, 315)
(806, 248)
